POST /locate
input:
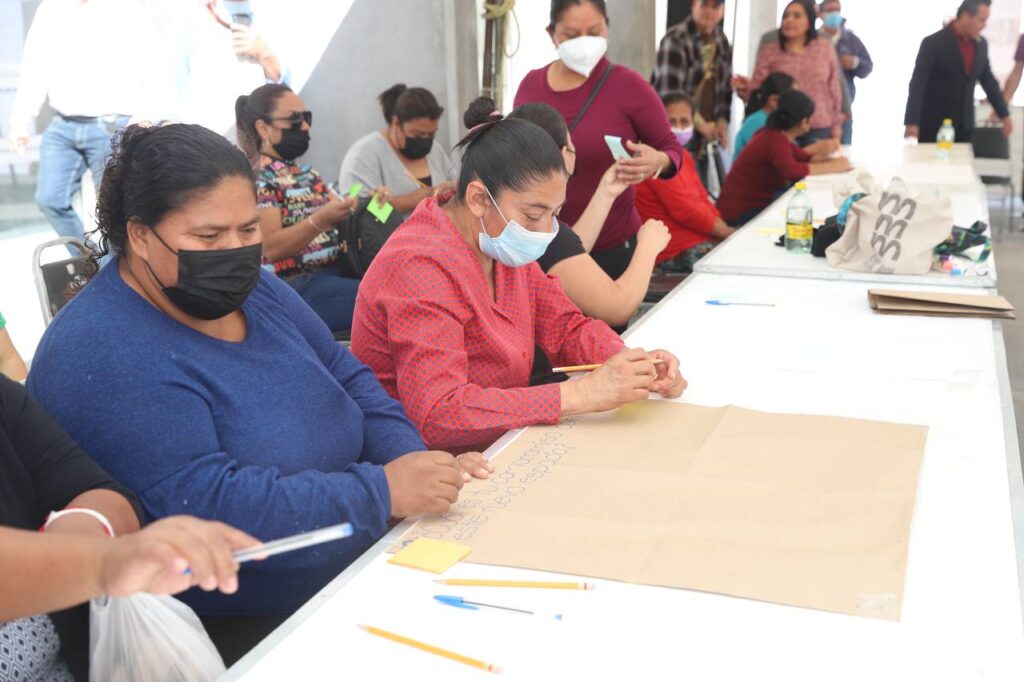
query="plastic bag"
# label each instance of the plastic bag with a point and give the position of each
(148, 638)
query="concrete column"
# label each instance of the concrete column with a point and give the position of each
(426, 44)
(631, 34)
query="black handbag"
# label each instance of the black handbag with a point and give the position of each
(361, 237)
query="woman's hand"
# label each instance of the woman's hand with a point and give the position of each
(423, 483)
(626, 376)
(670, 383)
(653, 235)
(335, 211)
(645, 163)
(741, 84)
(611, 186)
(156, 558)
(383, 194)
(474, 465)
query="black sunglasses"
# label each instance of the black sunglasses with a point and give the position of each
(295, 120)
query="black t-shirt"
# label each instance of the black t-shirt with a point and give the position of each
(42, 470)
(566, 244)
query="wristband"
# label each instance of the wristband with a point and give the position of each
(54, 515)
(3, 322)
(313, 223)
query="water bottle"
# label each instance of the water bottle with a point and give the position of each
(799, 219)
(946, 138)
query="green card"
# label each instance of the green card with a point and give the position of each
(354, 190)
(380, 211)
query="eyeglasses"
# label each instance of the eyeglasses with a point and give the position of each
(294, 120)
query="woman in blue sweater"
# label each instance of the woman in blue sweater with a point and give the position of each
(210, 388)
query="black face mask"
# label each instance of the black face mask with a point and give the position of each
(294, 143)
(417, 147)
(212, 284)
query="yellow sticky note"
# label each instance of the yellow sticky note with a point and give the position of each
(435, 556)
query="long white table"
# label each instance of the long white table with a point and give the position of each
(818, 350)
(751, 250)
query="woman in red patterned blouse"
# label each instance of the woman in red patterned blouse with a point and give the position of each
(452, 307)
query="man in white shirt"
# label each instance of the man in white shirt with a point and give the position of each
(222, 59)
(91, 58)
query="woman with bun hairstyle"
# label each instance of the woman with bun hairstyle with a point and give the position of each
(218, 392)
(451, 309)
(299, 215)
(771, 162)
(403, 156)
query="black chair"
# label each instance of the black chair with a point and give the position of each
(990, 143)
(52, 279)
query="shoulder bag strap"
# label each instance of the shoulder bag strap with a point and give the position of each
(590, 98)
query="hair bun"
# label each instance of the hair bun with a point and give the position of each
(481, 110)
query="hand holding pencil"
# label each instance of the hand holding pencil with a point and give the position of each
(627, 376)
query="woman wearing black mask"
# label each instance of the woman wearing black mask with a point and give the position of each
(298, 213)
(208, 387)
(404, 156)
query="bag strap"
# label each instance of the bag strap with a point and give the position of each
(590, 98)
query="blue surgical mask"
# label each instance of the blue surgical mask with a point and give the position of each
(833, 19)
(515, 246)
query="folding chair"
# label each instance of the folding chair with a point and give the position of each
(990, 143)
(52, 279)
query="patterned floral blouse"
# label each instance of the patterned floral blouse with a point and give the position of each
(298, 191)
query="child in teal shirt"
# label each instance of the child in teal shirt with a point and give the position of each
(763, 101)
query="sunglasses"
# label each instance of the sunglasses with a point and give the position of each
(295, 120)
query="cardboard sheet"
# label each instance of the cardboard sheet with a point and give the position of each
(803, 510)
(939, 304)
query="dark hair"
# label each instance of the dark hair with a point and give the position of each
(545, 116)
(153, 171)
(259, 104)
(558, 8)
(812, 14)
(675, 97)
(794, 106)
(972, 7)
(775, 83)
(409, 103)
(504, 153)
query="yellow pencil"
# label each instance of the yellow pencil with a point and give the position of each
(429, 648)
(516, 583)
(589, 368)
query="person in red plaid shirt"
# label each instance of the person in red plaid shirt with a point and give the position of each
(695, 58)
(450, 311)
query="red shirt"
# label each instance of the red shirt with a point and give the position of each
(768, 164)
(626, 107)
(682, 203)
(457, 358)
(968, 48)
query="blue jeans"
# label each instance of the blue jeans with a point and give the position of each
(67, 149)
(331, 296)
(847, 137)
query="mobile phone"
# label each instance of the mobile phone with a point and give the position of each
(240, 11)
(615, 147)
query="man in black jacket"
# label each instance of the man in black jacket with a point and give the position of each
(949, 65)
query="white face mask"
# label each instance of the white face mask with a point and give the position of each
(582, 54)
